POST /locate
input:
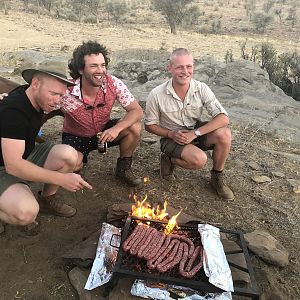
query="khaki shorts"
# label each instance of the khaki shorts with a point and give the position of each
(172, 149)
(38, 156)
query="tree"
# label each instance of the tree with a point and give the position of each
(4, 5)
(174, 11)
(116, 8)
(94, 7)
(261, 21)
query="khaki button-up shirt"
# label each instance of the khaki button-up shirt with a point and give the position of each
(165, 108)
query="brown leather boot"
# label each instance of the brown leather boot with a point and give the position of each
(217, 182)
(51, 205)
(124, 171)
(166, 167)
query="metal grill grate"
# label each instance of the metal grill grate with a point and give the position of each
(131, 266)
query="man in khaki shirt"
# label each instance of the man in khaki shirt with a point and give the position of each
(174, 110)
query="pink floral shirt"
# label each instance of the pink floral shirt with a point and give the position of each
(85, 122)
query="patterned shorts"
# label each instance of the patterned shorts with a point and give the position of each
(87, 144)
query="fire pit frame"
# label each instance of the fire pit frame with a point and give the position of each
(206, 287)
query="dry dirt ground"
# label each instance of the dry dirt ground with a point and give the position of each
(31, 266)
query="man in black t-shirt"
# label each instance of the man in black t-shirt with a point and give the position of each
(21, 161)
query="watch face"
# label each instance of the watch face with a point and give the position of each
(198, 133)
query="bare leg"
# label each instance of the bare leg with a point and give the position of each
(18, 205)
(79, 163)
(221, 138)
(130, 139)
(192, 158)
(61, 158)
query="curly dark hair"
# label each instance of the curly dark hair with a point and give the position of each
(76, 63)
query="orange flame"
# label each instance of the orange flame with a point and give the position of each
(142, 209)
(171, 224)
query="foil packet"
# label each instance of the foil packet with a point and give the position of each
(106, 255)
(215, 264)
(148, 290)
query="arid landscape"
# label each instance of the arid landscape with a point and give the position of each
(31, 265)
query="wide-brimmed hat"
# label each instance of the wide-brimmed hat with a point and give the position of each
(57, 69)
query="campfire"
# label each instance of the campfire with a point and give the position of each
(142, 209)
(154, 244)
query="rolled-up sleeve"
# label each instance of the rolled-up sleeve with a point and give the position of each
(210, 102)
(152, 113)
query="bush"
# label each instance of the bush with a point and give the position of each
(72, 17)
(261, 21)
(90, 20)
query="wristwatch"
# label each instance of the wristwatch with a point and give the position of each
(197, 132)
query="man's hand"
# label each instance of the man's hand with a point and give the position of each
(109, 135)
(182, 137)
(2, 96)
(73, 182)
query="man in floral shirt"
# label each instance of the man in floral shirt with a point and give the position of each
(87, 107)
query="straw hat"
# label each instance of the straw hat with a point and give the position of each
(53, 68)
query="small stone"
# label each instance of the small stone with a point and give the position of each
(295, 184)
(278, 174)
(150, 140)
(254, 165)
(261, 179)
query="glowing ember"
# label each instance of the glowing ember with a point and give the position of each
(146, 180)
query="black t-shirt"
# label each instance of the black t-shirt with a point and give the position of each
(19, 120)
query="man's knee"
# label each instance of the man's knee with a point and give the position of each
(136, 129)
(26, 215)
(198, 161)
(69, 156)
(223, 135)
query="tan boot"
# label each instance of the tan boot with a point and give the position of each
(124, 171)
(166, 166)
(217, 182)
(51, 205)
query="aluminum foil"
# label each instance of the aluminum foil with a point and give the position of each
(106, 255)
(147, 290)
(215, 263)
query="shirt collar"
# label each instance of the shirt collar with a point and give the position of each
(194, 87)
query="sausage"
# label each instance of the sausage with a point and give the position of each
(191, 273)
(162, 249)
(146, 240)
(164, 265)
(152, 250)
(174, 262)
(193, 258)
(185, 256)
(129, 241)
(186, 240)
(165, 253)
(135, 245)
(151, 245)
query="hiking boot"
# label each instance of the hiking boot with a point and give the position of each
(124, 171)
(217, 182)
(166, 166)
(51, 205)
